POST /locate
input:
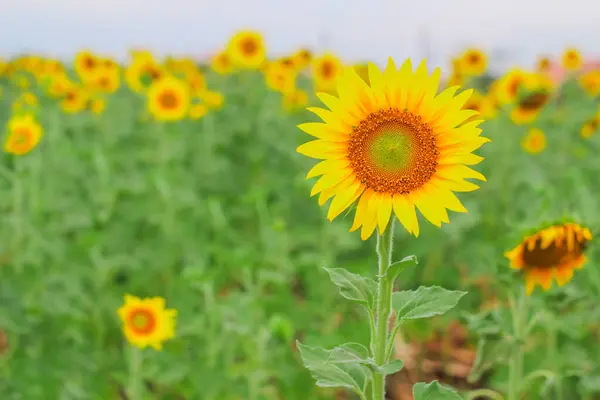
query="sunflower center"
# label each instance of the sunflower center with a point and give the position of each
(553, 255)
(22, 136)
(169, 100)
(513, 86)
(474, 58)
(393, 151)
(89, 63)
(534, 101)
(327, 70)
(142, 321)
(249, 47)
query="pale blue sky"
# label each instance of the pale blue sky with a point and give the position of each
(355, 29)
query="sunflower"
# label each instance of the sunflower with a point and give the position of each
(529, 107)
(24, 134)
(508, 87)
(590, 82)
(543, 64)
(85, 64)
(97, 106)
(213, 100)
(196, 82)
(488, 106)
(146, 322)
(590, 127)
(197, 111)
(168, 99)
(107, 80)
(571, 59)
(294, 100)
(142, 73)
(302, 58)
(552, 252)
(247, 49)
(473, 62)
(534, 141)
(363, 71)
(325, 72)
(280, 78)
(221, 63)
(392, 146)
(75, 100)
(474, 103)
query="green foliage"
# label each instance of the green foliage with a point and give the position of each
(433, 391)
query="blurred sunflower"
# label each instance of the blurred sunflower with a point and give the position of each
(168, 99)
(75, 100)
(295, 100)
(142, 73)
(325, 70)
(221, 63)
(107, 80)
(473, 62)
(24, 134)
(590, 82)
(474, 103)
(590, 127)
(534, 141)
(529, 107)
(552, 252)
(213, 100)
(543, 64)
(392, 146)
(146, 322)
(197, 111)
(97, 106)
(488, 107)
(508, 87)
(280, 78)
(302, 58)
(196, 82)
(85, 64)
(247, 50)
(571, 59)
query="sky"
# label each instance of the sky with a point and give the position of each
(513, 31)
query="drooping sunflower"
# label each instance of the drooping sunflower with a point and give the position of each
(221, 63)
(552, 252)
(393, 145)
(146, 322)
(247, 49)
(534, 141)
(473, 62)
(168, 99)
(325, 70)
(572, 59)
(24, 134)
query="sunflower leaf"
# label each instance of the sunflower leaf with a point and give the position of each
(424, 302)
(434, 391)
(394, 270)
(342, 366)
(353, 286)
(391, 368)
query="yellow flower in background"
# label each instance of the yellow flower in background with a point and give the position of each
(553, 252)
(24, 134)
(590, 82)
(75, 100)
(213, 100)
(85, 64)
(221, 63)
(571, 59)
(590, 127)
(196, 82)
(325, 70)
(543, 64)
(168, 99)
(139, 75)
(392, 146)
(529, 107)
(97, 106)
(534, 141)
(197, 111)
(247, 50)
(302, 58)
(295, 100)
(488, 107)
(473, 62)
(280, 78)
(106, 80)
(509, 86)
(146, 322)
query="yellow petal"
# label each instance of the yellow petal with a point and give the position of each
(344, 199)
(405, 211)
(430, 208)
(361, 209)
(384, 211)
(322, 149)
(323, 131)
(328, 180)
(326, 166)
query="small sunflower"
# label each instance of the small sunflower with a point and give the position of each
(590, 127)
(473, 62)
(302, 58)
(24, 134)
(534, 141)
(146, 322)
(509, 86)
(107, 80)
(552, 252)
(86, 64)
(571, 59)
(475, 103)
(75, 100)
(529, 107)
(393, 145)
(590, 82)
(295, 100)
(247, 49)
(168, 99)
(280, 78)
(142, 73)
(197, 111)
(97, 106)
(221, 63)
(326, 70)
(213, 100)
(543, 64)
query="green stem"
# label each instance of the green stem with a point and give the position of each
(384, 305)
(134, 384)
(515, 367)
(490, 394)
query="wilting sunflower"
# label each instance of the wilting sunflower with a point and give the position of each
(247, 49)
(168, 99)
(392, 146)
(534, 141)
(325, 70)
(473, 62)
(571, 59)
(221, 63)
(146, 322)
(552, 252)
(24, 134)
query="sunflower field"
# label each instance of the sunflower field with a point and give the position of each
(167, 233)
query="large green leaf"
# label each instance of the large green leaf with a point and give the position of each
(424, 302)
(434, 391)
(353, 286)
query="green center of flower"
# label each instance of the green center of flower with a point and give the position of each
(391, 150)
(142, 321)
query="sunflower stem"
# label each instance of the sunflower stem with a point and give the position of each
(134, 384)
(385, 242)
(515, 368)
